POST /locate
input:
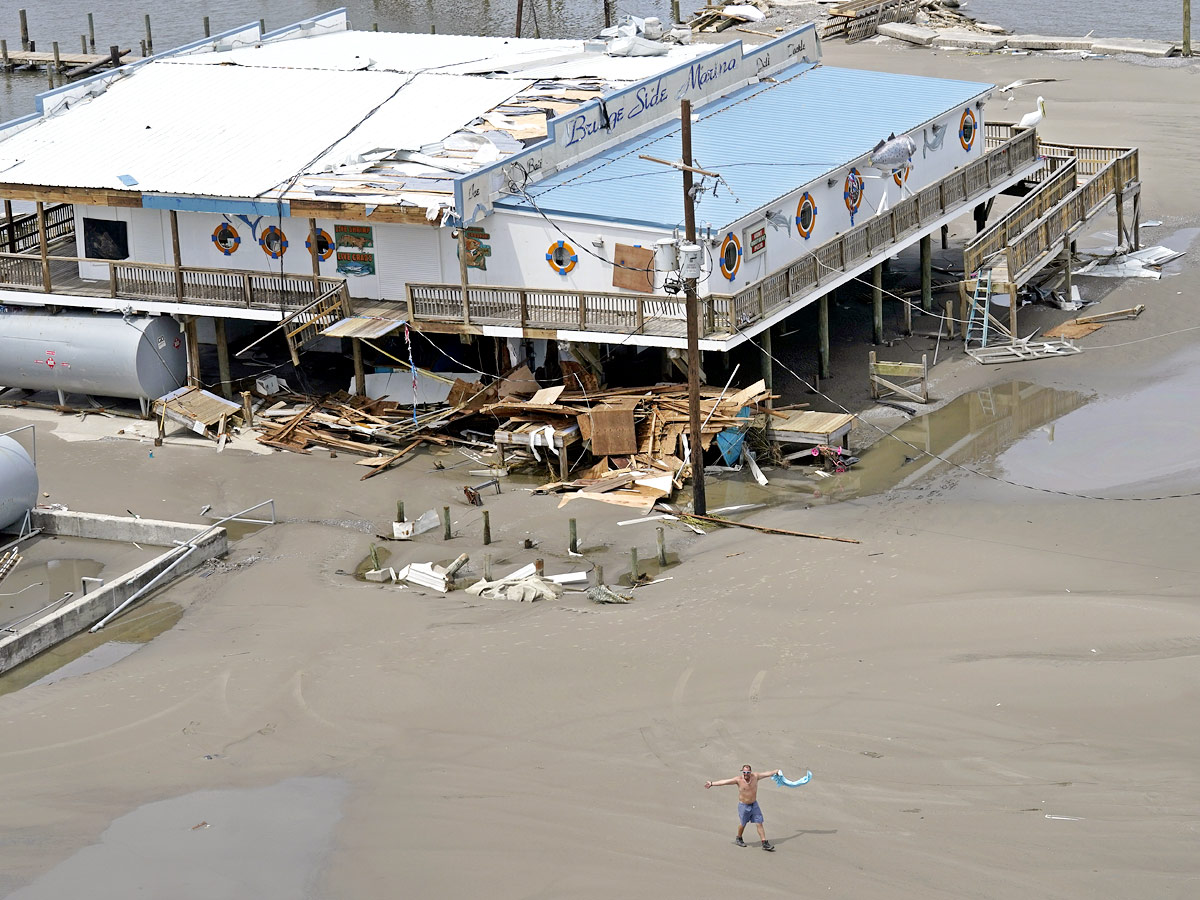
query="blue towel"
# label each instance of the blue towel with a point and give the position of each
(783, 782)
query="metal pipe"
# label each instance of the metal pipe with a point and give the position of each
(140, 591)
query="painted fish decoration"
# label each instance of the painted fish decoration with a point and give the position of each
(893, 154)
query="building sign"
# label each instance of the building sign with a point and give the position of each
(355, 249)
(622, 114)
(477, 251)
(754, 239)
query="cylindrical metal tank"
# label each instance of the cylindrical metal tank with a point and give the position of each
(92, 353)
(18, 482)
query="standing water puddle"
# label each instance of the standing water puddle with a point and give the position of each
(260, 842)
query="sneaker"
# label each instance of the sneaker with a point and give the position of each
(767, 845)
(738, 840)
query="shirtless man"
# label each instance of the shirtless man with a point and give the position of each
(748, 811)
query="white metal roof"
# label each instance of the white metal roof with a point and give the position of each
(301, 117)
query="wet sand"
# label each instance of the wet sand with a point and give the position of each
(996, 690)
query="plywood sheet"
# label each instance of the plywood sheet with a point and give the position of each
(1072, 330)
(613, 432)
(815, 422)
(633, 268)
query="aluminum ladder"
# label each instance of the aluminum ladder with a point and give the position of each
(978, 320)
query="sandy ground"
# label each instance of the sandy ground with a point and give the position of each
(996, 690)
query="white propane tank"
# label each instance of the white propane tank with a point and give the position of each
(138, 357)
(18, 482)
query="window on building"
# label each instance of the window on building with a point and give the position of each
(105, 239)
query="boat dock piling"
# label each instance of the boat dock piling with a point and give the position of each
(63, 64)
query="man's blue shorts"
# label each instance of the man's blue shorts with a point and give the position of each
(749, 812)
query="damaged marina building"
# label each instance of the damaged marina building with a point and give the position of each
(333, 186)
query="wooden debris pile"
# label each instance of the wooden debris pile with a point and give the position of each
(382, 430)
(714, 18)
(638, 434)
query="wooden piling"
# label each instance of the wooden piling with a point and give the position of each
(877, 303)
(12, 230)
(57, 56)
(927, 273)
(487, 567)
(143, 47)
(539, 568)
(598, 575)
(945, 237)
(223, 358)
(446, 523)
(42, 241)
(91, 31)
(176, 256)
(207, 28)
(24, 29)
(83, 48)
(360, 375)
(572, 536)
(4, 54)
(114, 56)
(487, 528)
(247, 409)
(662, 545)
(633, 565)
(768, 364)
(262, 26)
(675, 19)
(399, 510)
(193, 351)
(823, 336)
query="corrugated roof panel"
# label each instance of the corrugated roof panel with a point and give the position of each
(233, 131)
(766, 140)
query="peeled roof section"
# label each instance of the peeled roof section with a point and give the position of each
(766, 140)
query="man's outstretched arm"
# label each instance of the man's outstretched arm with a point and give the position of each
(759, 776)
(709, 784)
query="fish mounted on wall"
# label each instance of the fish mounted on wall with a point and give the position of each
(934, 143)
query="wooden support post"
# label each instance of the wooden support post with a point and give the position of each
(1121, 236)
(927, 273)
(1066, 259)
(462, 274)
(4, 55)
(823, 336)
(114, 56)
(598, 575)
(12, 227)
(91, 31)
(57, 57)
(877, 303)
(487, 567)
(192, 337)
(42, 242)
(487, 528)
(539, 568)
(360, 375)
(316, 257)
(768, 366)
(176, 256)
(400, 511)
(520, 11)
(662, 546)
(446, 523)
(633, 565)
(1137, 219)
(945, 237)
(675, 12)
(572, 536)
(83, 48)
(1012, 310)
(907, 306)
(262, 26)
(223, 359)
(607, 13)
(563, 469)
(247, 409)
(950, 318)
(1187, 27)
(142, 44)
(24, 29)
(207, 29)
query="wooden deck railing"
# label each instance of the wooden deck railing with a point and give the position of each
(723, 313)
(22, 234)
(988, 243)
(149, 281)
(1045, 236)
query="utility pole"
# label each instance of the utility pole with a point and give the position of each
(699, 506)
(520, 9)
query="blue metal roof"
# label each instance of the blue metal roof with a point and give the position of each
(766, 140)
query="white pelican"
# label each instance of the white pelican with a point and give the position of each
(1033, 119)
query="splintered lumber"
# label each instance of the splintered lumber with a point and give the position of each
(391, 460)
(718, 520)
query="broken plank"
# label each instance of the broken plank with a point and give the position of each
(717, 520)
(391, 460)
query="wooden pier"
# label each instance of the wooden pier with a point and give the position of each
(69, 65)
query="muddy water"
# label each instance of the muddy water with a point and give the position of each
(89, 652)
(269, 841)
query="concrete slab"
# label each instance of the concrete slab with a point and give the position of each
(1138, 47)
(961, 39)
(1047, 42)
(913, 34)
